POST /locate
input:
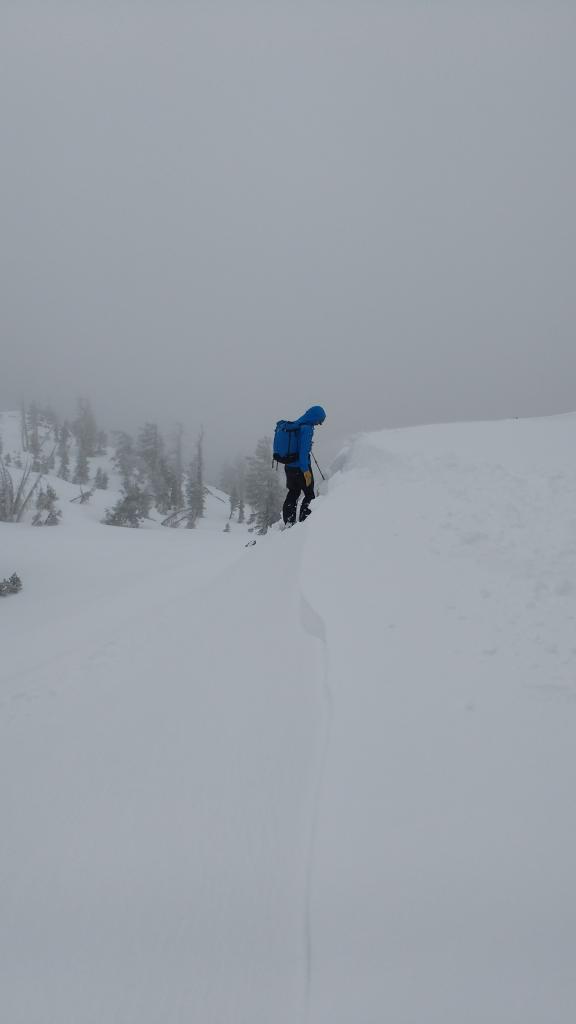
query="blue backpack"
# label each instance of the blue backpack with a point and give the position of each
(286, 442)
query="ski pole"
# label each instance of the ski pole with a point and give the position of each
(317, 466)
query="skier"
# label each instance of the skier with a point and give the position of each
(299, 477)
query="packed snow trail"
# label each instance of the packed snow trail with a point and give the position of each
(443, 565)
(157, 800)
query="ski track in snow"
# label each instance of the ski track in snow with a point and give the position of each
(110, 757)
(314, 624)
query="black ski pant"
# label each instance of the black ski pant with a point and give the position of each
(296, 483)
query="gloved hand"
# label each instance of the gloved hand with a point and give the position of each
(308, 478)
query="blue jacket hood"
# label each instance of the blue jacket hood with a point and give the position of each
(312, 416)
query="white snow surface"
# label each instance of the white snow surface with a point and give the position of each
(324, 780)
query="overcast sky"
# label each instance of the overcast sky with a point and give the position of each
(225, 212)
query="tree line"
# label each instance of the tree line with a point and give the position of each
(153, 471)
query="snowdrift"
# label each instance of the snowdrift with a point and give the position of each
(324, 779)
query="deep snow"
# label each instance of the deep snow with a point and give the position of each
(325, 779)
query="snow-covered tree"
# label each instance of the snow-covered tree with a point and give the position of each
(263, 492)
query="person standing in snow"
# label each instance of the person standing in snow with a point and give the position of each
(299, 476)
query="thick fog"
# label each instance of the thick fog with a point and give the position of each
(222, 213)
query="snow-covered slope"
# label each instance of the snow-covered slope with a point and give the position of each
(324, 779)
(443, 565)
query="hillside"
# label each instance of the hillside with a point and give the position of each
(324, 779)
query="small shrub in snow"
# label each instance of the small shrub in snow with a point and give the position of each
(130, 510)
(10, 586)
(46, 512)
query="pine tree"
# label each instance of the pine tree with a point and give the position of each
(234, 501)
(195, 493)
(63, 451)
(149, 446)
(24, 426)
(231, 481)
(82, 469)
(130, 510)
(153, 465)
(34, 446)
(101, 442)
(177, 470)
(101, 480)
(51, 419)
(263, 491)
(85, 428)
(46, 499)
(125, 459)
(46, 512)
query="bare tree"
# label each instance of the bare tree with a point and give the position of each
(14, 500)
